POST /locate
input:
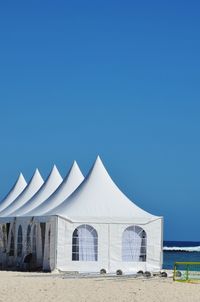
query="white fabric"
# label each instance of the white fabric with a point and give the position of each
(16, 190)
(48, 188)
(99, 199)
(132, 244)
(109, 248)
(73, 179)
(34, 185)
(86, 243)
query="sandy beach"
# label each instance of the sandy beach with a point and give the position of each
(20, 286)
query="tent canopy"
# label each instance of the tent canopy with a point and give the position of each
(72, 180)
(51, 184)
(16, 190)
(34, 185)
(98, 199)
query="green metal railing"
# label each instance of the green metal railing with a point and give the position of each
(186, 271)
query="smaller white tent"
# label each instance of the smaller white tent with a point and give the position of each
(34, 185)
(47, 189)
(99, 227)
(72, 180)
(16, 190)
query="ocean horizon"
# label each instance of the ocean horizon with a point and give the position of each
(180, 251)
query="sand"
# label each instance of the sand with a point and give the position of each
(22, 287)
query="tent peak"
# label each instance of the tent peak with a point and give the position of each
(98, 158)
(55, 173)
(75, 165)
(15, 191)
(21, 177)
(99, 162)
(36, 176)
(54, 168)
(98, 167)
(74, 171)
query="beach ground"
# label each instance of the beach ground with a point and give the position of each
(27, 287)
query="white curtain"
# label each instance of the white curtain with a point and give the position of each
(133, 243)
(85, 243)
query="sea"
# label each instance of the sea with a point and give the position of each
(180, 251)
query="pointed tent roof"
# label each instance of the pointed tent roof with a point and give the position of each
(18, 187)
(34, 185)
(72, 180)
(51, 184)
(98, 199)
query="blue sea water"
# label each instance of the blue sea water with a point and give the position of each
(180, 251)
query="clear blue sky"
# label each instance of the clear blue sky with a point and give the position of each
(115, 78)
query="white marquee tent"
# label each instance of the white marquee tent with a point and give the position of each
(85, 226)
(16, 190)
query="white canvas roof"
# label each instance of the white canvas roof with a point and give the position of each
(72, 180)
(98, 199)
(51, 184)
(34, 185)
(18, 187)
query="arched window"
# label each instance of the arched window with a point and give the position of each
(43, 231)
(28, 239)
(85, 244)
(19, 242)
(49, 243)
(12, 244)
(3, 238)
(134, 244)
(34, 240)
(49, 236)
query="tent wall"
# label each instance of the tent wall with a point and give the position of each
(44, 258)
(64, 248)
(54, 245)
(109, 248)
(153, 249)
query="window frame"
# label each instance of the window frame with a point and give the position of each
(92, 243)
(132, 242)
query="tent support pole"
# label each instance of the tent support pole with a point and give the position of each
(109, 248)
(56, 242)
